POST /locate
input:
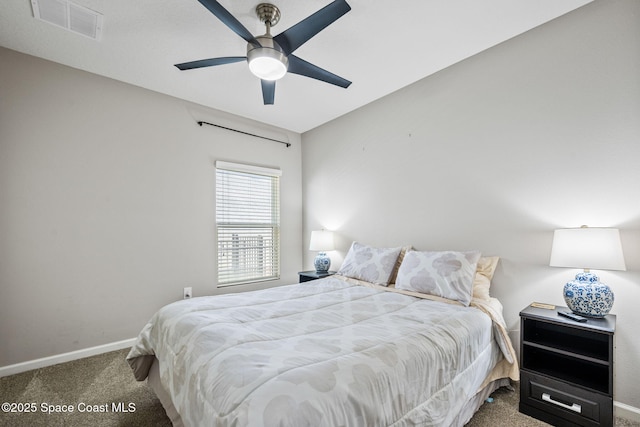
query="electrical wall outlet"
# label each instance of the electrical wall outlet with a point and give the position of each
(187, 293)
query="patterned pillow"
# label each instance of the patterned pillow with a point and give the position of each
(445, 274)
(373, 265)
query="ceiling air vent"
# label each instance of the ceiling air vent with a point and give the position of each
(68, 15)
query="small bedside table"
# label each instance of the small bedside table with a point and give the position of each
(306, 276)
(566, 376)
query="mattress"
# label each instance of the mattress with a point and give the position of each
(325, 353)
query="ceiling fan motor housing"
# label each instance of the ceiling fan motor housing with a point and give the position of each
(269, 57)
(268, 61)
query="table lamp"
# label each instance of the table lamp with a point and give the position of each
(587, 248)
(322, 241)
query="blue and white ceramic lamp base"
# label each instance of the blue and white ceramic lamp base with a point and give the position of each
(322, 263)
(588, 297)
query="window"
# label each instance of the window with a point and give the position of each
(247, 223)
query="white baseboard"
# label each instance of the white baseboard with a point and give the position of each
(64, 357)
(626, 411)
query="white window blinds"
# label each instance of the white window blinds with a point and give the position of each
(247, 223)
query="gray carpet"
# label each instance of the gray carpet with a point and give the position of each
(104, 384)
(99, 380)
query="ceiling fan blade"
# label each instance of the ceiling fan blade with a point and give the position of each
(210, 62)
(268, 91)
(229, 20)
(304, 68)
(294, 37)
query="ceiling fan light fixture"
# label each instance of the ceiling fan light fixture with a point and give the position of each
(267, 63)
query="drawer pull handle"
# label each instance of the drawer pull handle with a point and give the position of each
(575, 407)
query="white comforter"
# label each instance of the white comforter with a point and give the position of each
(323, 353)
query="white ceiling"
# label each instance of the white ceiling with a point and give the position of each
(379, 46)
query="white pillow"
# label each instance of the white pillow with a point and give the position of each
(446, 274)
(371, 264)
(484, 273)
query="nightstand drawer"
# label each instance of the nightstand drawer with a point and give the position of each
(562, 404)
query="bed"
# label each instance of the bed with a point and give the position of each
(378, 344)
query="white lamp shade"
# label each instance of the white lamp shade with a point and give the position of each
(321, 240)
(588, 248)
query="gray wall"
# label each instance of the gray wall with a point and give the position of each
(107, 205)
(494, 153)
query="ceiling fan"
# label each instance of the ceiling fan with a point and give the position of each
(271, 57)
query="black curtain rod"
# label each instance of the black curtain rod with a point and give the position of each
(288, 144)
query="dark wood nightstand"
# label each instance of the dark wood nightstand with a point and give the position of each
(305, 276)
(566, 376)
